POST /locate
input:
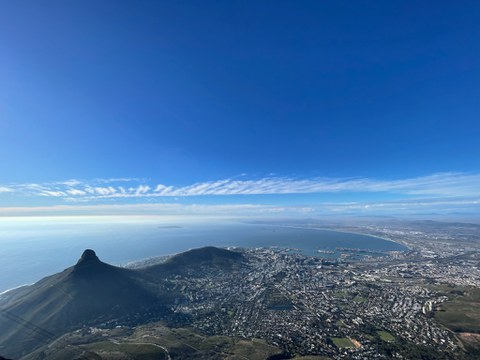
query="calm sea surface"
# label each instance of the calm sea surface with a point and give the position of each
(30, 250)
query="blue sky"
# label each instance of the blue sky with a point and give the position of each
(272, 106)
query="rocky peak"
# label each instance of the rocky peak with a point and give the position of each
(88, 257)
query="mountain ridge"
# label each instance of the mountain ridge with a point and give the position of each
(93, 292)
(209, 256)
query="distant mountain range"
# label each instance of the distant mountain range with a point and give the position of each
(92, 293)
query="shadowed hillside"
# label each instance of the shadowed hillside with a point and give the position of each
(206, 257)
(93, 293)
(89, 292)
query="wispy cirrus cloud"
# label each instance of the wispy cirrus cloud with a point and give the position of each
(441, 193)
(435, 185)
(437, 207)
(52, 193)
(413, 206)
(444, 184)
(169, 209)
(75, 192)
(115, 180)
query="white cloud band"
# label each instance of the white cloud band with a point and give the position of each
(436, 185)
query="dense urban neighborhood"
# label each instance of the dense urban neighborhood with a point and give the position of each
(421, 303)
(339, 308)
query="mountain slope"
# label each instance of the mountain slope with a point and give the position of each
(153, 341)
(202, 258)
(93, 292)
(89, 292)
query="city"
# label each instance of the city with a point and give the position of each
(340, 308)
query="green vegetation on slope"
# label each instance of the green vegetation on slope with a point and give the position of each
(385, 335)
(152, 341)
(342, 343)
(461, 313)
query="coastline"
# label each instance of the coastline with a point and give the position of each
(5, 292)
(212, 239)
(344, 232)
(374, 236)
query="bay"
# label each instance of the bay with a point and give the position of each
(31, 249)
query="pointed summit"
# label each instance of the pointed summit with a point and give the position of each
(89, 292)
(88, 257)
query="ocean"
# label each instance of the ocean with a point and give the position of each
(31, 249)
